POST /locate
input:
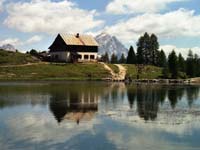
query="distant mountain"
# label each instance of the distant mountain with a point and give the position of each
(110, 44)
(8, 47)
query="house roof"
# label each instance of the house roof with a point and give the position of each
(81, 40)
(80, 116)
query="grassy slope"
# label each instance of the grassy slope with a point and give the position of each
(61, 71)
(12, 58)
(54, 72)
(114, 68)
(149, 72)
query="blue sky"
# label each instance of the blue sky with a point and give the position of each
(34, 24)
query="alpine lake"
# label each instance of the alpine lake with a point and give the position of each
(99, 116)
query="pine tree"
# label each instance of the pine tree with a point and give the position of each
(162, 60)
(131, 58)
(147, 49)
(197, 65)
(122, 59)
(190, 68)
(105, 58)
(153, 48)
(114, 59)
(173, 64)
(181, 63)
(140, 50)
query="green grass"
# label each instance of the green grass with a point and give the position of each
(114, 68)
(148, 72)
(15, 58)
(91, 71)
(85, 71)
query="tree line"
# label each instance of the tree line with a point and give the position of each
(179, 67)
(148, 53)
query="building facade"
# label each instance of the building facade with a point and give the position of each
(68, 47)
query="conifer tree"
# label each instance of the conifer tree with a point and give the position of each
(190, 67)
(140, 50)
(114, 59)
(131, 58)
(105, 58)
(173, 64)
(181, 63)
(122, 59)
(162, 60)
(197, 65)
(147, 49)
(153, 48)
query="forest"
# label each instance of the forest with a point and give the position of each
(148, 53)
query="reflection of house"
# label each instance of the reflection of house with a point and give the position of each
(84, 114)
(67, 47)
(75, 108)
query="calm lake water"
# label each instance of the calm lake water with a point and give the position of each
(92, 116)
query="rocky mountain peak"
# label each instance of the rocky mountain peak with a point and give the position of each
(8, 47)
(110, 44)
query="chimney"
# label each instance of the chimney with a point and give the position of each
(77, 35)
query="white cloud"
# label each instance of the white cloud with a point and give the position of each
(17, 42)
(166, 123)
(183, 51)
(1, 4)
(156, 138)
(138, 6)
(50, 17)
(12, 41)
(34, 39)
(43, 128)
(179, 23)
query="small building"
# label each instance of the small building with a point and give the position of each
(73, 48)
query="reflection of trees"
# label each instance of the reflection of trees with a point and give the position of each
(192, 94)
(173, 98)
(131, 94)
(147, 103)
(58, 108)
(175, 94)
(114, 96)
(12, 96)
(161, 94)
(150, 97)
(78, 101)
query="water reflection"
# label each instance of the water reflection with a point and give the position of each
(109, 116)
(74, 106)
(80, 102)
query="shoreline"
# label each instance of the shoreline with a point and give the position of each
(136, 82)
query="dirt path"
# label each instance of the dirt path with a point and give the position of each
(116, 76)
(22, 65)
(122, 71)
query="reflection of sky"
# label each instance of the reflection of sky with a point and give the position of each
(115, 126)
(145, 136)
(29, 126)
(34, 128)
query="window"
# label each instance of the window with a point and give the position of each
(91, 56)
(56, 57)
(86, 57)
(80, 56)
